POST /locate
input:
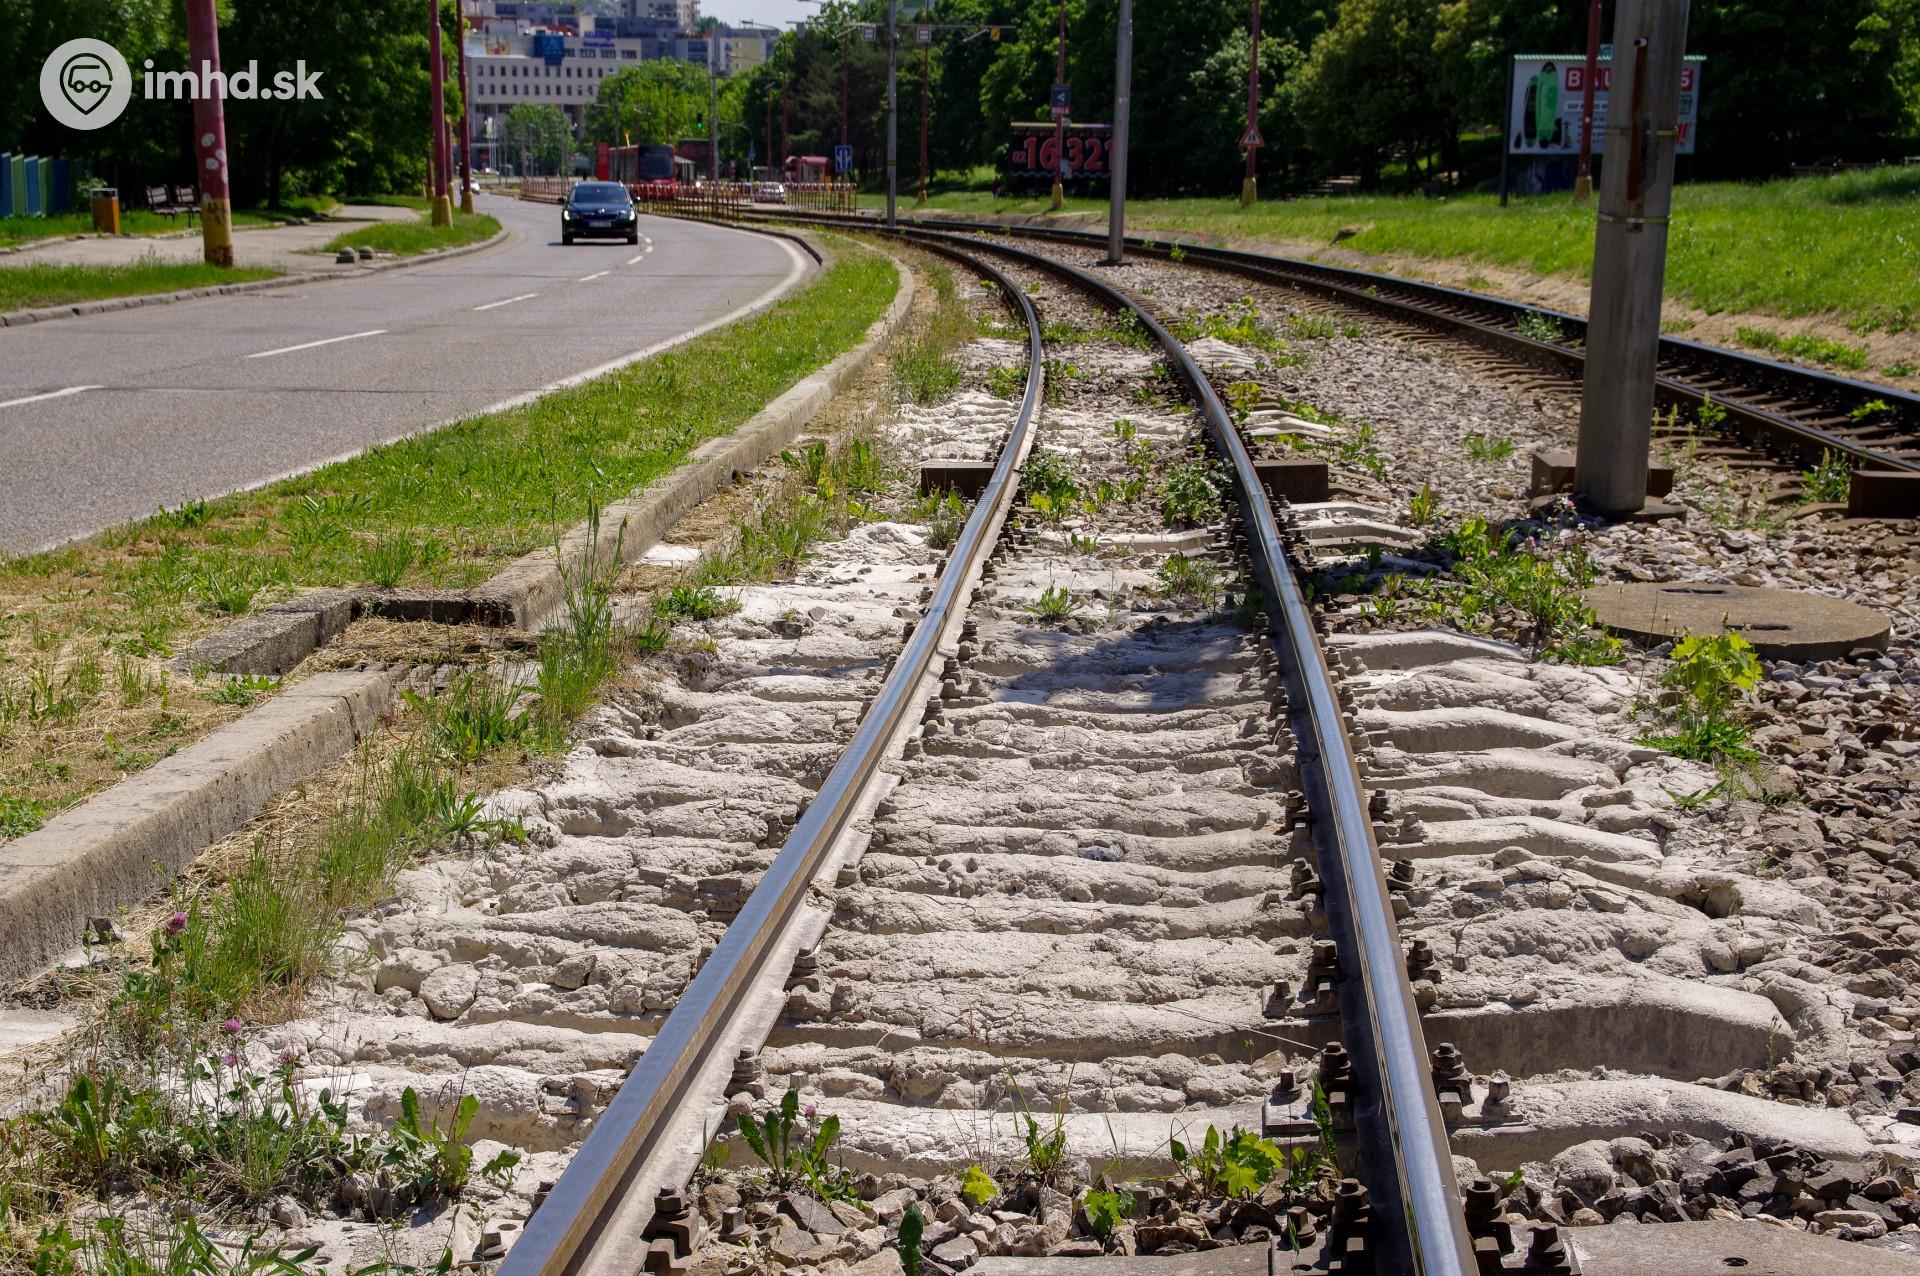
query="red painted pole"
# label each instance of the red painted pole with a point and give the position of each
(442, 205)
(466, 118)
(210, 135)
(1250, 186)
(1583, 183)
(846, 62)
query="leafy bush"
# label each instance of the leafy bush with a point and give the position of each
(1192, 494)
(1709, 676)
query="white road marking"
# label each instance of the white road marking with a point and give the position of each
(309, 345)
(51, 394)
(646, 250)
(494, 305)
(590, 278)
(635, 261)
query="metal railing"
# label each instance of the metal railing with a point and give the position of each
(561, 1231)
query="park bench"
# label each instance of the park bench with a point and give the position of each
(172, 203)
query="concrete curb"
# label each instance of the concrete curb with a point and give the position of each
(79, 309)
(118, 848)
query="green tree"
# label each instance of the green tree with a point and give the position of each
(539, 135)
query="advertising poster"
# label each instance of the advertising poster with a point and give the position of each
(1548, 93)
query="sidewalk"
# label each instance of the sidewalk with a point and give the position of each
(294, 249)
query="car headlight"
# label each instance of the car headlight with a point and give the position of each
(565, 214)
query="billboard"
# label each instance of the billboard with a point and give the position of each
(1548, 93)
(1035, 155)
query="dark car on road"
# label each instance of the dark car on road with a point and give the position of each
(598, 210)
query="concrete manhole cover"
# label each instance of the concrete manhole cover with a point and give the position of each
(1782, 624)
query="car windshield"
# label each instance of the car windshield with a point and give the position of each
(599, 193)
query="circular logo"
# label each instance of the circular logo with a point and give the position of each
(86, 84)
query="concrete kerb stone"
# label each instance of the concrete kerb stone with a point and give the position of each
(120, 847)
(20, 318)
(533, 587)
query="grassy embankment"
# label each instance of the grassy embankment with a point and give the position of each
(84, 697)
(405, 239)
(1841, 246)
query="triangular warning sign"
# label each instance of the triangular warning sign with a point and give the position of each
(1251, 138)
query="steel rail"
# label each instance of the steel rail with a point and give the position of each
(1494, 321)
(561, 1233)
(1418, 1182)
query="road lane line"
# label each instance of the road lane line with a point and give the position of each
(494, 305)
(309, 345)
(52, 394)
(590, 278)
(635, 261)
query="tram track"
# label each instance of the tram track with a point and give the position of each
(1094, 849)
(1790, 413)
(971, 652)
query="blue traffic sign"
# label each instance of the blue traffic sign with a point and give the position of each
(843, 159)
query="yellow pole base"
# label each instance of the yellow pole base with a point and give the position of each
(216, 231)
(1059, 197)
(466, 201)
(1249, 191)
(1582, 189)
(442, 210)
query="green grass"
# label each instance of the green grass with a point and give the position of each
(1843, 244)
(444, 509)
(32, 286)
(1805, 348)
(406, 239)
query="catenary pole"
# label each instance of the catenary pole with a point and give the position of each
(893, 110)
(210, 136)
(442, 205)
(1059, 120)
(1249, 185)
(466, 116)
(1117, 154)
(1630, 255)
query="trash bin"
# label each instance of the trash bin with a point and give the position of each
(106, 210)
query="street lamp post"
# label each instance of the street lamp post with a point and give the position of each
(926, 77)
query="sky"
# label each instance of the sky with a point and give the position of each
(772, 13)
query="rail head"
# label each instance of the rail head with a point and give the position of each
(558, 1237)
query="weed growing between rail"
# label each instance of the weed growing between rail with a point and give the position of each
(85, 632)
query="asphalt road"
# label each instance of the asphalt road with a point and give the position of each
(107, 417)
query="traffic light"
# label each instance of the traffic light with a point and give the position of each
(700, 123)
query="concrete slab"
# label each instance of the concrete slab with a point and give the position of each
(1752, 1249)
(1782, 624)
(1235, 1260)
